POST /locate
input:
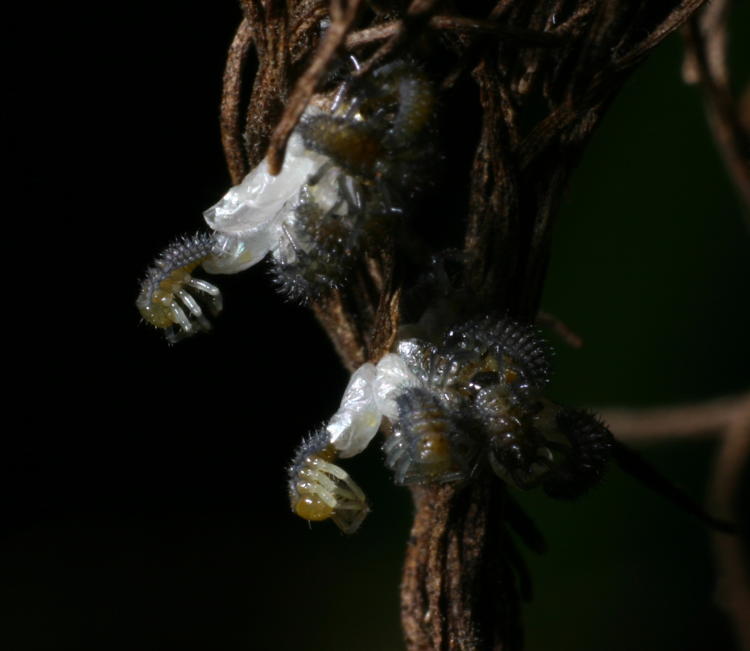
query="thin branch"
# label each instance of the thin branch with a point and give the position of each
(677, 17)
(341, 328)
(343, 15)
(532, 112)
(526, 37)
(706, 64)
(230, 120)
(733, 592)
(699, 420)
(560, 328)
(417, 15)
(729, 420)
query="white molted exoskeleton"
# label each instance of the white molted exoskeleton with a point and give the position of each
(352, 165)
(248, 220)
(318, 488)
(369, 396)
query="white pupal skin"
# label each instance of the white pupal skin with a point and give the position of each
(247, 220)
(392, 378)
(257, 217)
(357, 421)
(369, 396)
(319, 489)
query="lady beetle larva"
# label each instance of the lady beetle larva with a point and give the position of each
(375, 139)
(488, 376)
(319, 489)
(471, 403)
(166, 289)
(352, 166)
(428, 441)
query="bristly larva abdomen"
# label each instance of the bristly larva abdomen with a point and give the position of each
(428, 444)
(523, 356)
(591, 445)
(353, 146)
(374, 139)
(416, 101)
(481, 403)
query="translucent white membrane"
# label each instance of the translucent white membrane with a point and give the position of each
(357, 421)
(247, 219)
(370, 395)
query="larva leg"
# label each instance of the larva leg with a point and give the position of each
(341, 474)
(164, 291)
(204, 286)
(190, 303)
(321, 490)
(179, 317)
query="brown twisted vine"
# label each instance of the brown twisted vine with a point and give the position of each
(534, 80)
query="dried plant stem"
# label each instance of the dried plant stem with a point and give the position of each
(534, 79)
(415, 19)
(697, 420)
(705, 64)
(343, 14)
(560, 328)
(230, 120)
(733, 565)
(454, 576)
(727, 419)
(455, 24)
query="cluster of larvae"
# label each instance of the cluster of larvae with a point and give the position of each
(471, 402)
(353, 166)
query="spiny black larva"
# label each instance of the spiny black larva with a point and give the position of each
(428, 443)
(316, 250)
(353, 166)
(375, 140)
(523, 356)
(379, 132)
(591, 445)
(481, 399)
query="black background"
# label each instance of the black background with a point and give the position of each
(143, 485)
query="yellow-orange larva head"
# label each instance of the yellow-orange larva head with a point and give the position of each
(312, 508)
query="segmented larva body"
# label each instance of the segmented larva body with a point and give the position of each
(471, 402)
(591, 445)
(378, 132)
(415, 106)
(452, 374)
(437, 411)
(427, 443)
(486, 378)
(519, 451)
(352, 165)
(368, 397)
(317, 244)
(374, 140)
(522, 357)
(319, 489)
(166, 301)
